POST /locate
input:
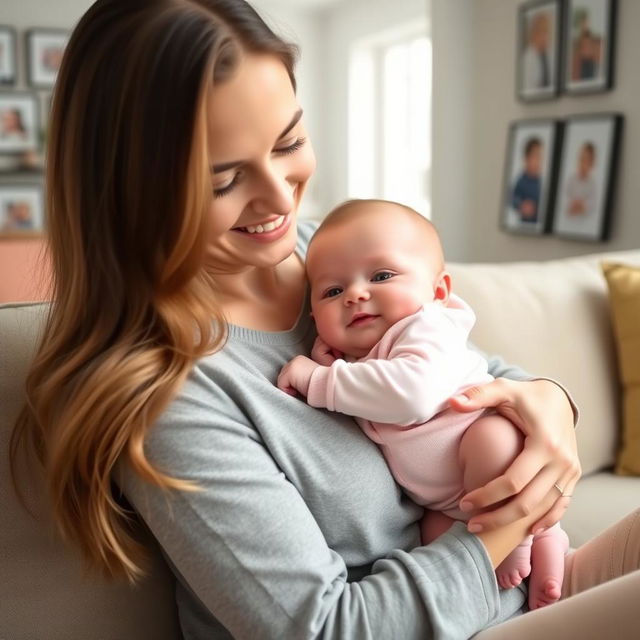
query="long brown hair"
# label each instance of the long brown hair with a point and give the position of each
(128, 191)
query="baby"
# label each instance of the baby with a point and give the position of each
(391, 350)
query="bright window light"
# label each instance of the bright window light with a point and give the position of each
(389, 118)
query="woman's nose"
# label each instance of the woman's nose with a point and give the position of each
(275, 193)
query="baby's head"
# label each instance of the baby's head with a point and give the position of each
(370, 264)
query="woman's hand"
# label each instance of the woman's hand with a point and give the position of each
(549, 460)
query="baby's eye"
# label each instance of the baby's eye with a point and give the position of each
(332, 293)
(382, 275)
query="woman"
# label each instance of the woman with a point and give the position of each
(177, 160)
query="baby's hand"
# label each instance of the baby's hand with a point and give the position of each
(296, 374)
(323, 354)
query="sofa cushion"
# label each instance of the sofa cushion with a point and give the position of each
(552, 319)
(624, 296)
(44, 590)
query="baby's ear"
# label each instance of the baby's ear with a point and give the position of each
(442, 289)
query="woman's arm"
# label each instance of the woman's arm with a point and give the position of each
(253, 554)
(546, 415)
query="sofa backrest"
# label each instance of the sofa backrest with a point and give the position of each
(552, 319)
(44, 591)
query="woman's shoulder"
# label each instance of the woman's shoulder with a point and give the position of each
(306, 229)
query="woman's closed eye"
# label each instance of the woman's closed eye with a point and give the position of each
(218, 192)
(298, 143)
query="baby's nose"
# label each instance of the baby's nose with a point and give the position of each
(357, 293)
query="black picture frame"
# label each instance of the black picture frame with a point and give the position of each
(539, 50)
(589, 46)
(528, 192)
(19, 122)
(21, 210)
(45, 48)
(587, 175)
(8, 59)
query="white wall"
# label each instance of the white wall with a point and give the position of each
(483, 76)
(452, 33)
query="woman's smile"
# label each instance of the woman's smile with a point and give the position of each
(268, 231)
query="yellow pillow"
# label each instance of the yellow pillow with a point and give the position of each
(624, 298)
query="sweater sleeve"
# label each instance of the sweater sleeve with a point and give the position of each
(253, 554)
(426, 364)
(498, 368)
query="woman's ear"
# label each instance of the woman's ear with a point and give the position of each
(442, 290)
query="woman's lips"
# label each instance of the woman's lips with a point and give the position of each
(283, 222)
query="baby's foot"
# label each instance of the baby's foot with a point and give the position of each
(547, 559)
(541, 595)
(515, 567)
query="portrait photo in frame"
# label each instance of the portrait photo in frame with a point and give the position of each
(538, 50)
(589, 46)
(21, 210)
(587, 172)
(8, 66)
(45, 48)
(530, 175)
(19, 123)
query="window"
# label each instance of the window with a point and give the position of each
(389, 118)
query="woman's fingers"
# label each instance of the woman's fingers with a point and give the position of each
(480, 397)
(527, 502)
(562, 503)
(519, 474)
(552, 516)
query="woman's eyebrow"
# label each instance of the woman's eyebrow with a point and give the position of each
(294, 121)
(220, 168)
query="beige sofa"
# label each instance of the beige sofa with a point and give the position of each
(552, 318)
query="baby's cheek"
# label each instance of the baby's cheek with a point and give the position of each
(327, 326)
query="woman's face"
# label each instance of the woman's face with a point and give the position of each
(260, 161)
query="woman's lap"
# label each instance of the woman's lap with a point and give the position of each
(600, 592)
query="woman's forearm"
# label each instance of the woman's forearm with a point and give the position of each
(500, 542)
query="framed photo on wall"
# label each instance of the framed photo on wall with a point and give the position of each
(21, 210)
(19, 124)
(45, 48)
(589, 46)
(8, 67)
(586, 176)
(539, 49)
(530, 176)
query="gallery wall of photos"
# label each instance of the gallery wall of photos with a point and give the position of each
(560, 174)
(23, 124)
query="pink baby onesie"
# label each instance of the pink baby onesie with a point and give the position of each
(399, 393)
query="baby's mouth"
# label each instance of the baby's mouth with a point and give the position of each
(361, 319)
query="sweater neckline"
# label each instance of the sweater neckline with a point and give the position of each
(290, 336)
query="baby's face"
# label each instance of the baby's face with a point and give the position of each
(366, 275)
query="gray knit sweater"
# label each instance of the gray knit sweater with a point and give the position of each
(299, 530)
